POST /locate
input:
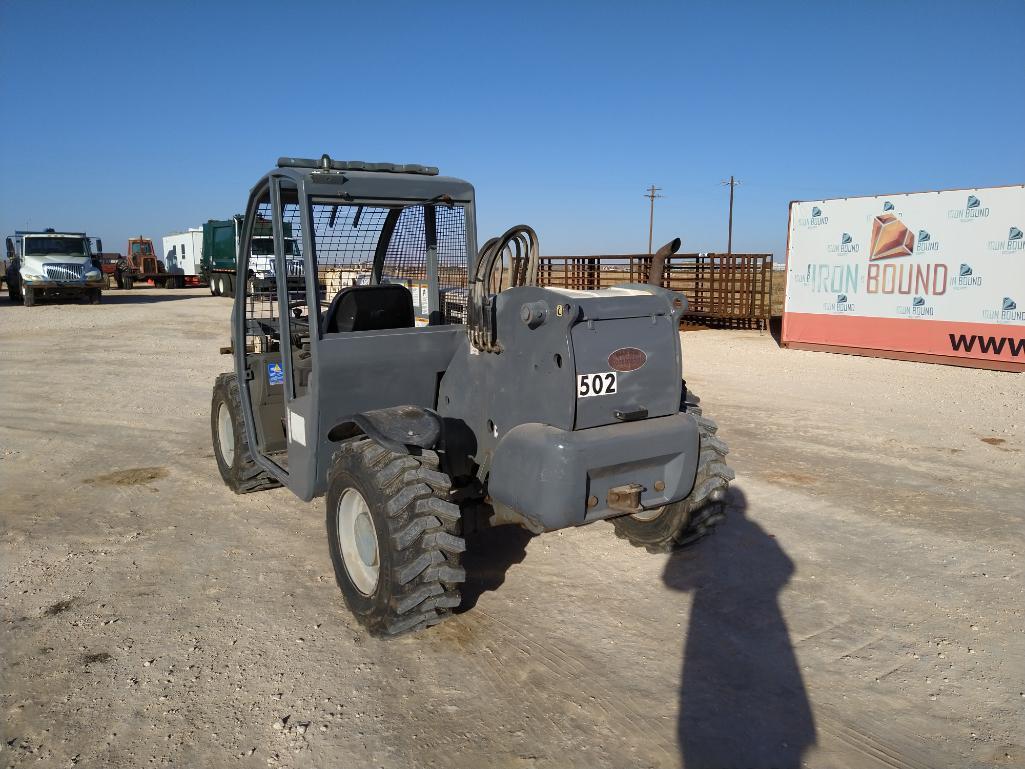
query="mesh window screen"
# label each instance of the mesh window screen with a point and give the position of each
(347, 238)
(261, 305)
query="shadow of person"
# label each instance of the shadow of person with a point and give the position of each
(490, 553)
(742, 698)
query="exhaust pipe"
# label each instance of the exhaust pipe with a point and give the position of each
(658, 262)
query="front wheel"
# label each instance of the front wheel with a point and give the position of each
(14, 292)
(393, 537)
(234, 458)
(670, 526)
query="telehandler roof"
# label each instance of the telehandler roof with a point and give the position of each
(357, 180)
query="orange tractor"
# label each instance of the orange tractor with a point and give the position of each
(141, 263)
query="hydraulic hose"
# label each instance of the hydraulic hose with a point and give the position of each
(520, 245)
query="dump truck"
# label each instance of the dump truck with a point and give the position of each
(219, 261)
(538, 407)
(52, 264)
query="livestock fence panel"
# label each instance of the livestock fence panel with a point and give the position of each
(721, 289)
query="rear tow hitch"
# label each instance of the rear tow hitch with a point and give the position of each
(626, 499)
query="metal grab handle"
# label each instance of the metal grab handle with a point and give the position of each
(520, 244)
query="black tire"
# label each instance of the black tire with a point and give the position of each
(95, 296)
(14, 293)
(417, 535)
(28, 296)
(694, 516)
(228, 283)
(241, 474)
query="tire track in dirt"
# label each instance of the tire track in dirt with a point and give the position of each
(570, 676)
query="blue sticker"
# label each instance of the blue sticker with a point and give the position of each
(274, 373)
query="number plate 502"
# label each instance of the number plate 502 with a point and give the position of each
(602, 383)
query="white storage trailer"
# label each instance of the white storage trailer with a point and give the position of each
(182, 254)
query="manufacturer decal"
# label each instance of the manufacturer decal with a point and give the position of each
(627, 359)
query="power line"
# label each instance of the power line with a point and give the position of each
(729, 243)
(651, 194)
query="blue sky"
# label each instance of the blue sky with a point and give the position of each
(123, 118)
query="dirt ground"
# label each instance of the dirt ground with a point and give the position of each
(860, 606)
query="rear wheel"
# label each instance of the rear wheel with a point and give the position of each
(234, 458)
(228, 284)
(677, 524)
(393, 537)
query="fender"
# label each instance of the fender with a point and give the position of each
(396, 428)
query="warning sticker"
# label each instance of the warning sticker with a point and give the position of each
(275, 375)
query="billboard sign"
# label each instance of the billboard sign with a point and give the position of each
(929, 275)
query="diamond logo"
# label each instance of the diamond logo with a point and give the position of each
(973, 202)
(816, 211)
(966, 270)
(1014, 234)
(887, 206)
(841, 298)
(890, 238)
(845, 239)
(918, 301)
(923, 236)
(1009, 304)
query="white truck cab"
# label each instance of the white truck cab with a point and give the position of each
(261, 262)
(52, 264)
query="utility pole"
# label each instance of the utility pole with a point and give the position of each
(651, 194)
(729, 242)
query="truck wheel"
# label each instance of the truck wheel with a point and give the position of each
(14, 293)
(393, 538)
(228, 285)
(94, 296)
(670, 526)
(28, 296)
(235, 461)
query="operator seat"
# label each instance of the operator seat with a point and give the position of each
(369, 308)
